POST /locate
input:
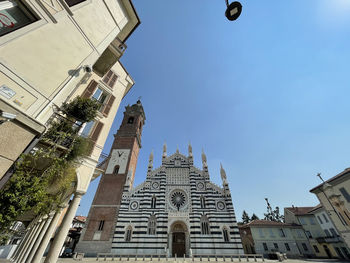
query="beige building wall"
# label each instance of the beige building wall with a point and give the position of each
(42, 64)
(334, 196)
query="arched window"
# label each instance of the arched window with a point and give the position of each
(128, 234)
(152, 225)
(153, 202)
(205, 225)
(131, 120)
(202, 201)
(116, 169)
(225, 235)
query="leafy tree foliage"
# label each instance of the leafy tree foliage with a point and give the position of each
(254, 217)
(43, 178)
(81, 109)
(245, 217)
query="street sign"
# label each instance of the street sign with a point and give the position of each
(233, 11)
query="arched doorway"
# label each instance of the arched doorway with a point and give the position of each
(179, 239)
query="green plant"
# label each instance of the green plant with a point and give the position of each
(81, 109)
(43, 179)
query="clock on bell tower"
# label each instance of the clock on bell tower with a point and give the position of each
(120, 167)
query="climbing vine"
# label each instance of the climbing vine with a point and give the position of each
(43, 178)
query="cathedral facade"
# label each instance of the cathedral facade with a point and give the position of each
(177, 210)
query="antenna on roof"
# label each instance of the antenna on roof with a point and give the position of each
(319, 175)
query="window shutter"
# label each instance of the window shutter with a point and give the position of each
(107, 77)
(90, 89)
(108, 106)
(113, 80)
(96, 132)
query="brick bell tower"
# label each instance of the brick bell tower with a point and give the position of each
(120, 168)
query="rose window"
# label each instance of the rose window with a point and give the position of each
(178, 199)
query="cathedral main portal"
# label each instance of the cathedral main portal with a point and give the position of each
(178, 240)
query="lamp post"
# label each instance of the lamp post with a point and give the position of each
(233, 10)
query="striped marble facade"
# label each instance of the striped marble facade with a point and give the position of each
(177, 197)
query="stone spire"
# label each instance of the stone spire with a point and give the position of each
(164, 149)
(150, 164)
(164, 153)
(177, 149)
(223, 174)
(150, 161)
(190, 149)
(204, 159)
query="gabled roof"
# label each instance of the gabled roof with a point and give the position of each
(343, 173)
(298, 211)
(267, 223)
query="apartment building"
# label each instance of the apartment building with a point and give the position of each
(334, 196)
(267, 237)
(50, 52)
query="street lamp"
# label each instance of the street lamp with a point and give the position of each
(233, 10)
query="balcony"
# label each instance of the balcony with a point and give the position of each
(109, 57)
(332, 239)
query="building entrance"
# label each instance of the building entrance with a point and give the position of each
(179, 244)
(179, 239)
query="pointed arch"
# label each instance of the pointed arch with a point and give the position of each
(202, 199)
(225, 234)
(128, 234)
(153, 202)
(205, 229)
(152, 225)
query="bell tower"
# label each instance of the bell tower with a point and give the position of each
(119, 174)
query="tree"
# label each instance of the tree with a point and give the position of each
(42, 179)
(273, 215)
(254, 217)
(245, 217)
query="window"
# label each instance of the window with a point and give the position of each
(346, 214)
(100, 226)
(325, 218)
(319, 219)
(304, 246)
(282, 234)
(327, 233)
(334, 234)
(153, 202)
(316, 249)
(312, 221)
(346, 251)
(299, 233)
(225, 235)
(345, 194)
(271, 232)
(302, 221)
(131, 120)
(110, 78)
(202, 202)
(205, 225)
(116, 169)
(308, 234)
(152, 225)
(261, 233)
(14, 15)
(287, 246)
(87, 129)
(73, 2)
(342, 218)
(100, 96)
(265, 247)
(128, 234)
(275, 245)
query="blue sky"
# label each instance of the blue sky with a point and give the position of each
(266, 95)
